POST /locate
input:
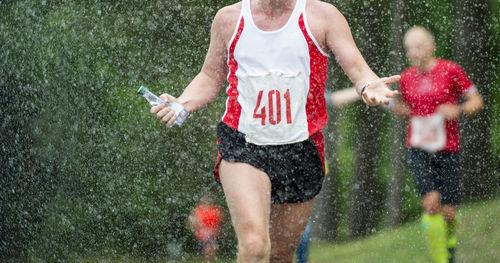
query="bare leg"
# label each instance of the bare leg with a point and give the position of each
(431, 202)
(449, 212)
(439, 225)
(248, 196)
(209, 250)
(288, 222)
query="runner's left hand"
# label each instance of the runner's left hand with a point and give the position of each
(378, 92)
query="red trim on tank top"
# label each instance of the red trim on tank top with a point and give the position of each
(316, 104)
(217, 164)
(233, 112)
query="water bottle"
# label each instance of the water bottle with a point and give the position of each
(180, 112)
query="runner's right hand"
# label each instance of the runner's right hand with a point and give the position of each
(165, 114)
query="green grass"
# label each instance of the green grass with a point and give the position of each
(478, 232)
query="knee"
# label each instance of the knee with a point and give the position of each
(283, 255)
(255, 247)
(431, 202)
(449, 213)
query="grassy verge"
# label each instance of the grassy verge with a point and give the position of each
(479, 241)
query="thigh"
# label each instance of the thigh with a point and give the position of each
(248, 196)
(419, 164)
(296, 172)
(287, 225)
(447, 177)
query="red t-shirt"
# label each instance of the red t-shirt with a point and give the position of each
(208, 219)
(423, 92)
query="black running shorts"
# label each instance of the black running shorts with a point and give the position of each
(296, 170)
(435, 172)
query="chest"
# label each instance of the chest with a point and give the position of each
(271, 23)
(436, 88)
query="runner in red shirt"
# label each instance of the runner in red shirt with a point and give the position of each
(205, 222)
(430, 97)
(432, 92)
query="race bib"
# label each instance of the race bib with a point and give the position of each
(428, 132)
(274, 105)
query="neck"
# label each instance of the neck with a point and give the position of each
(427, 65)
(271, 7)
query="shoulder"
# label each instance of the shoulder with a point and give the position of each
(226, 19)
(454, 71)
(409, 72)
(322, 10)
(448, 65)
(326, 23)
(228, 13)
(408, 76)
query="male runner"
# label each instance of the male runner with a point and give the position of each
(430, 93)
(274, 54)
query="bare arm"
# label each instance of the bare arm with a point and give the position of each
(205, 86)
(473, 103)
(338, 39)
(400, 108)
(343, 97)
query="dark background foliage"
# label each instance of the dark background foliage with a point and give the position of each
(87, 170)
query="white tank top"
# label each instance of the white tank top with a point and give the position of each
(276, 80)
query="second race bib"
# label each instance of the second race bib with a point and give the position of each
(428, 132)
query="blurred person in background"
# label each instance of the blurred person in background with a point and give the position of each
(431, 95)
(205, 222)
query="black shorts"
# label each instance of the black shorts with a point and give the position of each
(296, 170)
(436, 172)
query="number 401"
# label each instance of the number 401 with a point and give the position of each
(274, 99)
